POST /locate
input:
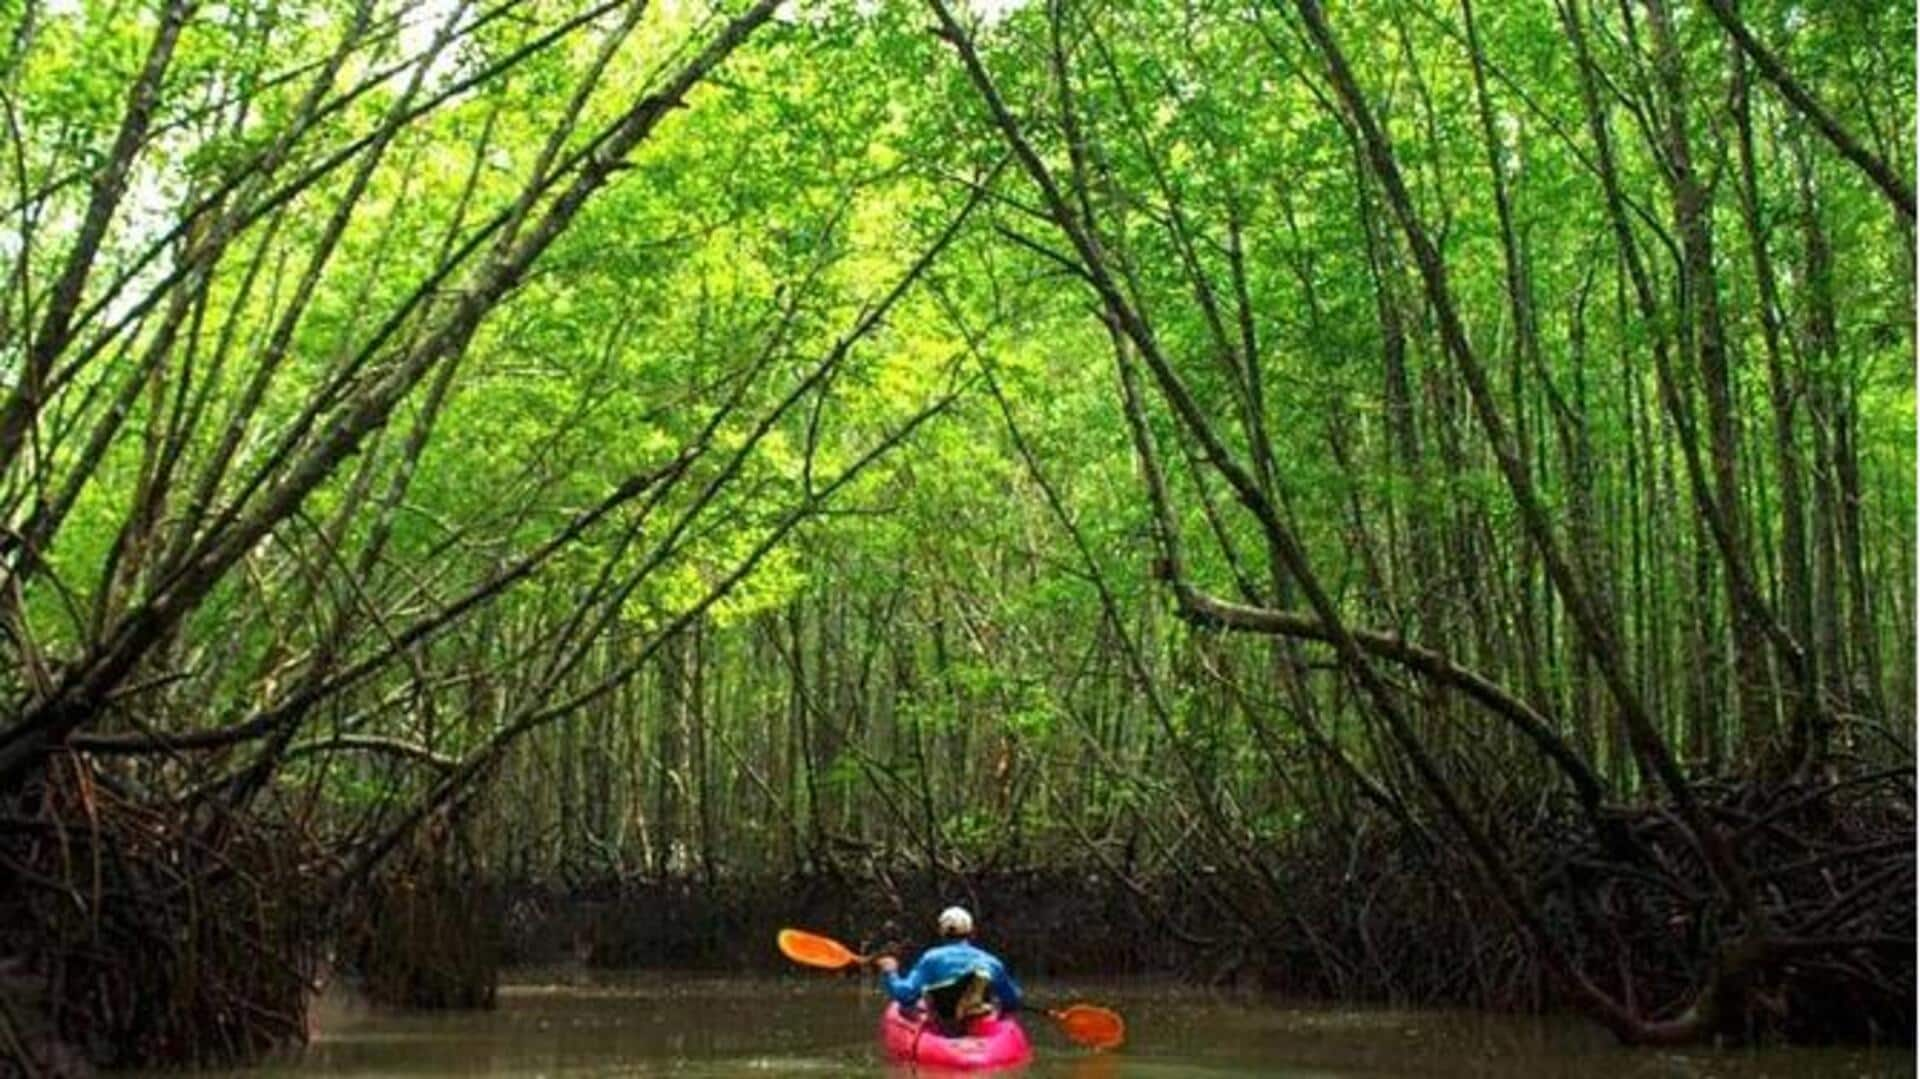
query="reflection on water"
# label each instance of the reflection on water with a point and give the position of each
(654, 1024)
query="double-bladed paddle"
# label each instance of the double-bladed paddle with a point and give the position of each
(1084, 1024)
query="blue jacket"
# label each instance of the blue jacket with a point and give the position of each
(947, 964)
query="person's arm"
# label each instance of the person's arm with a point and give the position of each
(904, 991)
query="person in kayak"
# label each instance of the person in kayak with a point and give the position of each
(959, 981)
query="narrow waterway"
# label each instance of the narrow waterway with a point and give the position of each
(657, 1024)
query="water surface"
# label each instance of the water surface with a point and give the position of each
(656, 1024)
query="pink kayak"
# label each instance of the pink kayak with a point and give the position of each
(994, 1042)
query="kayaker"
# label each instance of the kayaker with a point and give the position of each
(956, 978)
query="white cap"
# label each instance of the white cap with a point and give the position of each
(956, 922)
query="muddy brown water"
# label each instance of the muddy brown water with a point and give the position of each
(656, 1024)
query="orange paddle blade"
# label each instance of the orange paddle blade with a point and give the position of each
(1092, 1026)
(815, 950)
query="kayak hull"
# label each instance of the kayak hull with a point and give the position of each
(994, 1042)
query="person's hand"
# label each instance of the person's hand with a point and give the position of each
(887, 964)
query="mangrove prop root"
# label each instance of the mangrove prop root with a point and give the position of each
(147, 935)
(1374, 912)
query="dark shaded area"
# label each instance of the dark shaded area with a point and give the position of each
(1050, 922)
(131, 934)
(141, 937)
(1371, 913)
(428, 939)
